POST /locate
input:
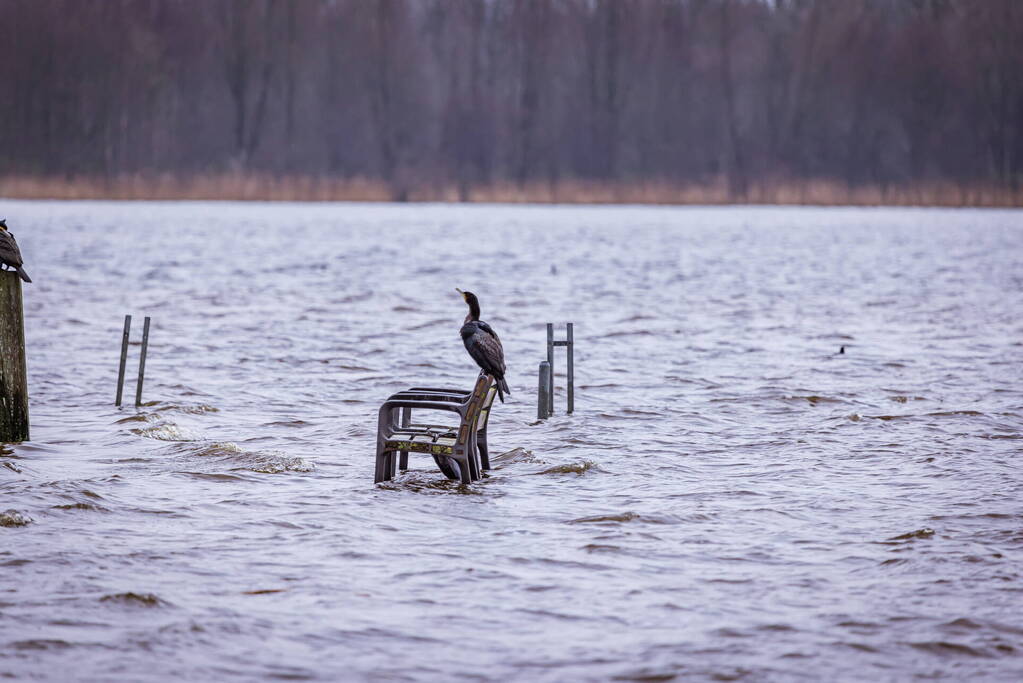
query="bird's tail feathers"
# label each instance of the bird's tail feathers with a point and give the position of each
(502, 389)
(23, 274)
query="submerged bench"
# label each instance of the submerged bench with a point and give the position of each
(460, 451)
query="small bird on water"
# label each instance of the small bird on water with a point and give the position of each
(483, 344)
(10, 255)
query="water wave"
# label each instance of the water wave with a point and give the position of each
(725, 488)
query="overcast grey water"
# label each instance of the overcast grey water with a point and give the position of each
(732, 500)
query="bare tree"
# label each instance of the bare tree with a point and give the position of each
(247, 41)
(427, 95)
(737, 179)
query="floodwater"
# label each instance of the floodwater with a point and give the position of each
(732, 499)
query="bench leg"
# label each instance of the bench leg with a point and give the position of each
(473, 464)
(466, 468)
(481, 444)
(406, 420)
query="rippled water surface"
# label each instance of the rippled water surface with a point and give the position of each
(731, 500)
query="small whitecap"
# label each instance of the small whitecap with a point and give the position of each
(218, 448)
(166, 431)
(581, 467)
(275, 463)
(12, 518)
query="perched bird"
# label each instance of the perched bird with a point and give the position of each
(483, 344)
(10, 255)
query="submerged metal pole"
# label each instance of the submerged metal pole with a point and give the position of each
(570, 368)
(142, 362)
(124, 358)
(550, 363)
(543, 397)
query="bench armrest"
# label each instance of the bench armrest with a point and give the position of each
(460, 392)
(418, 396)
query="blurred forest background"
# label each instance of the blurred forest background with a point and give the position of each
(817, 101)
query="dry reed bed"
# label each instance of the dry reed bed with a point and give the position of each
(269, 187)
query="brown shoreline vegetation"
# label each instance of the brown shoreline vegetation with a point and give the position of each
(270, 187)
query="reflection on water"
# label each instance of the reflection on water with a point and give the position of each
(732, 499)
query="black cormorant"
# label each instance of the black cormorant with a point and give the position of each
(483, 344)
(10, 255)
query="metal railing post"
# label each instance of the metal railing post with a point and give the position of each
(570, 368)
(142, 362)
(550, 363)
(124, 358)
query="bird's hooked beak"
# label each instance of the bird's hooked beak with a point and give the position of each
(460, 292)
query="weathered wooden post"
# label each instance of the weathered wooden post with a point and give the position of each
(543, 395)
(13, 375)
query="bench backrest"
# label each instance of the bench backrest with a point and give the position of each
(488, 403)
(475, 407)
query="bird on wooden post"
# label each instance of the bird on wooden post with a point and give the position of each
(10, 255)
(483, 344)
(13, 375)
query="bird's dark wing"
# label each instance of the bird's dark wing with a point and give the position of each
(9, 253)
(487, 351)
(488, 329)
(500, 348)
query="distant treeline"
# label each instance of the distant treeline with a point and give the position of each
(750, 99)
